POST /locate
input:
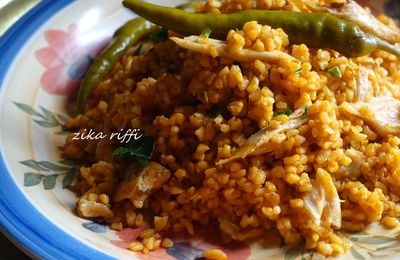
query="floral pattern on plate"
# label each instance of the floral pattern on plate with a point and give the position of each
(65, 60)
(186, 247)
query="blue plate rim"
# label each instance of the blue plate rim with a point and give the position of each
(18, 217)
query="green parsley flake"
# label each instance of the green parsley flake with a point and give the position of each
(335, 71)
(140, 150)
(206, 32)
(287, 112)
(213, 112)
(298, 71)
(305, 113)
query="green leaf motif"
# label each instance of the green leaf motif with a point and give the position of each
(356, 254)
(45, 124)
(372, 254)
(49, 182)
(294, 252)
(32, 179)
(373, 240)
(395, 247)
(71, 162)
(68, 178)
(26, 108)
(49, 115)
(52, 166)
(62, 133)
(67, 168)
(62, 118)
(44, 118)
(33, 164)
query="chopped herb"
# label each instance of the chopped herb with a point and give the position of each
(143, 161)
(161, 35)
(206, 32)
(287, 112)
(298, 71)
(335, 71)
(213, 112)
(140, 150)
(305, 113)
(138, 49)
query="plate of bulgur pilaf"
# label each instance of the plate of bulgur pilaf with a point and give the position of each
(219, 129)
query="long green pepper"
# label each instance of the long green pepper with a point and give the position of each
(316, 30)
(127, 35)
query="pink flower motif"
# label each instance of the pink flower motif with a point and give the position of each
(128, 235)
(185, 246)
(66, 59)
(209, 238)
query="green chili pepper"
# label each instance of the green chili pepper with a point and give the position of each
(160, 35)
(316, 30)
(126, 36)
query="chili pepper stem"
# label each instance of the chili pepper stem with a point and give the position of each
(383, 45)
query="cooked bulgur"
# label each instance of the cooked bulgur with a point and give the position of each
(331, 164)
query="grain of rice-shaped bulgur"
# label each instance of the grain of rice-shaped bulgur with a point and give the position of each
(257, 144)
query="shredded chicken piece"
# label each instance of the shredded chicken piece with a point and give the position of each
(363, 91)
(357, 159)
(257, 144)
(295, 5)
(140, 187)
(93, 209)
(381, 113)
(237, 233)
(353, 12)
(217, 48)
(322, 202)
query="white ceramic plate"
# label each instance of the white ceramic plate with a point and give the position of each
(42, 60)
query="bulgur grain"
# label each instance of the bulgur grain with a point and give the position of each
(215, 254)
(135, 246)
(167, 243)
(168, 92)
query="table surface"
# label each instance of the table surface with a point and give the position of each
(10, 251)
(10, 12)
